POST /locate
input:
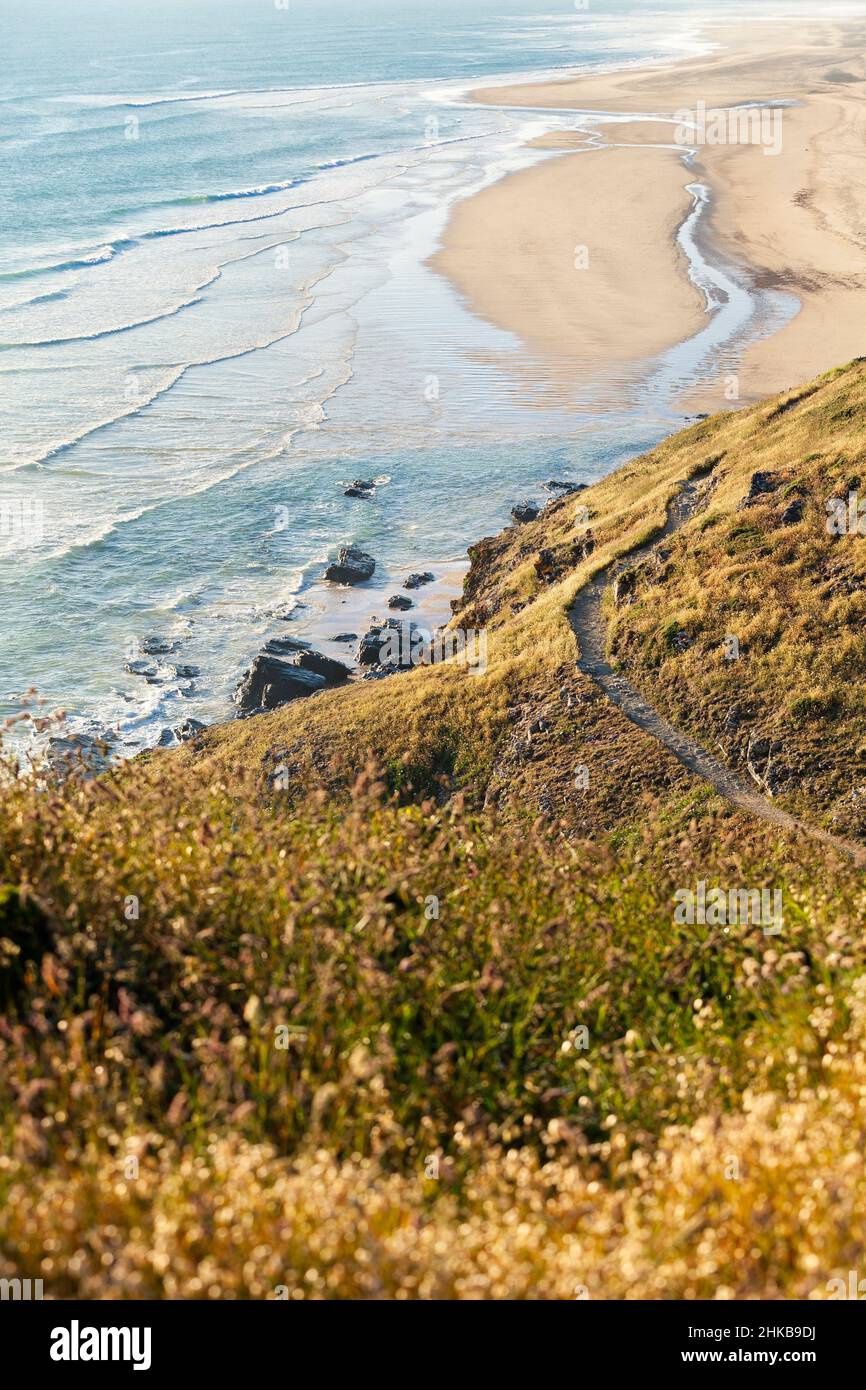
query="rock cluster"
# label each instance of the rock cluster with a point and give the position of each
(522, 512)
(352, 566)
(287, 669)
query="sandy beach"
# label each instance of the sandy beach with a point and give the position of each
(787, 209)
(537, 254)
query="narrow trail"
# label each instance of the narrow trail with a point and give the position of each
(590, 629)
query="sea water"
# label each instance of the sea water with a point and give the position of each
(215, 312)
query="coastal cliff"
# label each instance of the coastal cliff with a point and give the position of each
(401, 989)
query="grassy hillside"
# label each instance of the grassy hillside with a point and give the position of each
(425, 1023)
(792, 595)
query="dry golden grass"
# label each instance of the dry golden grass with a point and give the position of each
(792, 595)
(707, 1140)
(454, 1037)
(763, 1203)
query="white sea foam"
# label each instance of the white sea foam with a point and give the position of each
(263, 382)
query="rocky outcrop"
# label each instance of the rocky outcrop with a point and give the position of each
(158, 646)
(352, 566)
(156, 670)
(552, 563)
(300, 653)
(624, 585)
(389, 645)
(272, 681)
(793, 513)
(361, 487)
(415, 581)
(188, 729)
(334, 672)
(287, 669)
(78, 755)
(400, 601)
(141, 668)
(563, 489)
(523, 512)
(287, 646)
(760, 485)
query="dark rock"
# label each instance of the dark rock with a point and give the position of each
(140, 668)
(551, 565)
(352, 566)
(371, 646)
(186, 673)
(793, 512)
(400, 601)
(333, 671)
(300, 653)
(415, 581)
(624, 585)
(287, 646)
(166, 739)
(761, 483)
(383, 635)
(523, 512)
(271, 682)
(158, 646)
(188, 729)
(286, 612)
(345, 637)
(566, 489)
(547, 566)
(77, 755)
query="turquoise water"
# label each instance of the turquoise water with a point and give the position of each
(214, 310)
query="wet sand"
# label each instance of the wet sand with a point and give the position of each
(793, 219)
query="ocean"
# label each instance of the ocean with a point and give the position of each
(215, 312)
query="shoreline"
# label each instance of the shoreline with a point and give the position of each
(789, 222)
(322, 611)
(557, 281)
(513, 261)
